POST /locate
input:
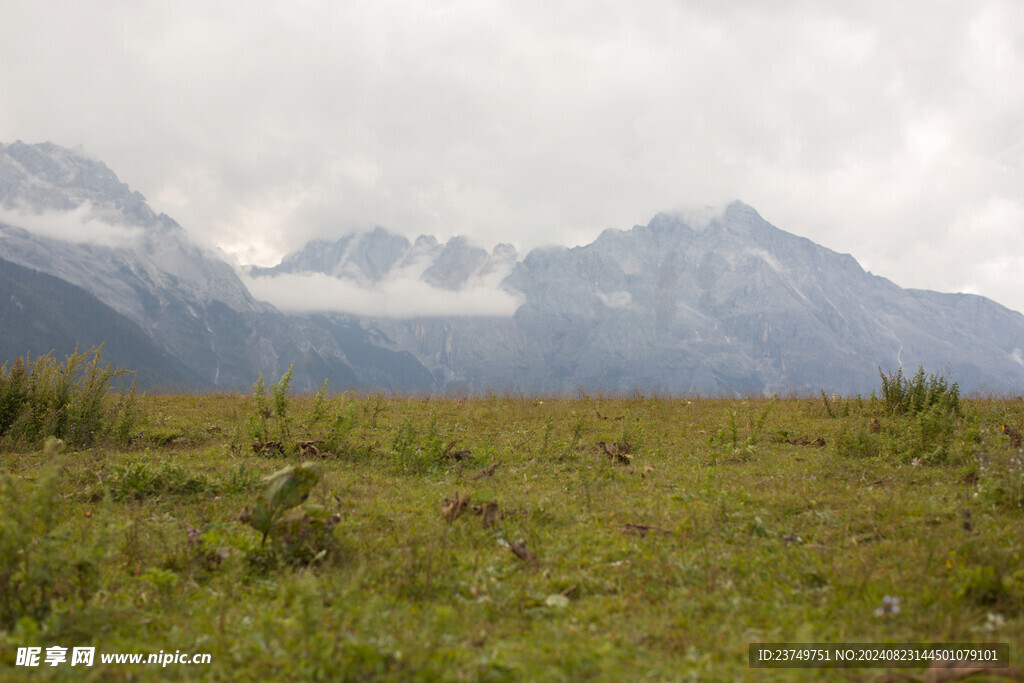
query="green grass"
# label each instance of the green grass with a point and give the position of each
(748, 538)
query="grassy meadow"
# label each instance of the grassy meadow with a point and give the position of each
(495, 538)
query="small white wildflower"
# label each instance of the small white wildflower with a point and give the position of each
(993, 622)
(890, 605)
(556, 600)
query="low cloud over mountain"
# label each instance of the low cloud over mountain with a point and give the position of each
(379, 274)
(392, 298)
(80, 225)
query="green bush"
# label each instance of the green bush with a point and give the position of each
(931, 435)
(139, 480)
(901, 395)
(318, 418)
(270, 420)
(69, 401)
(338, 439)
(989, 577)
(41, 570)
(859, 443)
(412, 457)
(1001, 477)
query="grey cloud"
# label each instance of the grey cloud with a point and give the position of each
(869, 127)
(392, 298)
(77, 226)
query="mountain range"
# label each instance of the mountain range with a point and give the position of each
(719, 302)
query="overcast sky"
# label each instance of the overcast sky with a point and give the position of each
(893, 131)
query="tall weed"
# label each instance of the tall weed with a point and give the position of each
(69, 401)
(270, 420)
(40, 569)
(859, 442)
(902, 395)
(738, 442)
(412, 456)
(1001, 478)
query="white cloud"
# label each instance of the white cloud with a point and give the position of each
(699, 218)
(874, 128)
(395, 298)
(986, 251)
(78, 226)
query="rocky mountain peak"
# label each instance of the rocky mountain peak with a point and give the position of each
(377, 255)
(46, 177)
(426, 242)
(504, 252)
(456, 262)
(376, 252)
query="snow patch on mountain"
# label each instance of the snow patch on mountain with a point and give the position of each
(618, 299)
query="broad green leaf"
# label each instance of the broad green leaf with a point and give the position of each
(290, 487)
(262, 518)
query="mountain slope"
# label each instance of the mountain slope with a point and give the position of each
(43, 314)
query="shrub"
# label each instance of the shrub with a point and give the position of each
(318, 417)
(338, 439)
(137, 481)
(68, 401)
(934, 430)
(901, 395)
(412, 457)
(859, 443)
(270, 421)
(40, 568)
(1001, 477)
(841, 408)
(988, 577)
(240, 480)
